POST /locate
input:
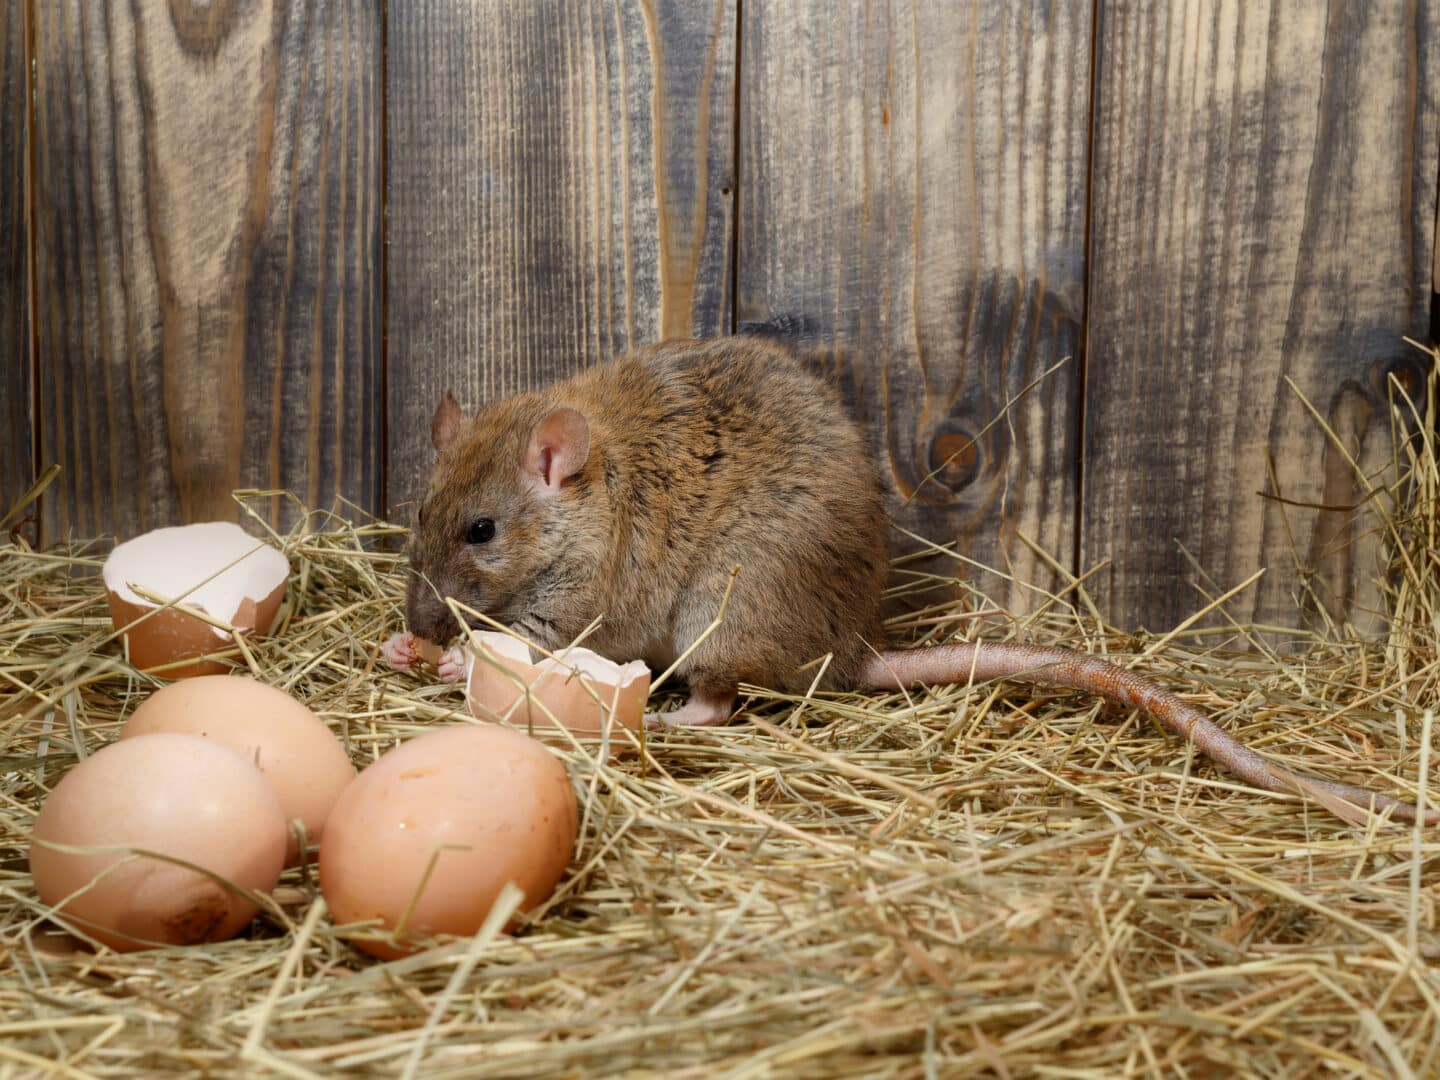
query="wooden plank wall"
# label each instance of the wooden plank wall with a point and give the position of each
(560, 186)
(1263, 215)
(207, 223)
(912, 195)
(1061, 261)
(17, 463)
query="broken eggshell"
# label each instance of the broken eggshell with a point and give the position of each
(429, 652)
(172, 563)
(499, 671)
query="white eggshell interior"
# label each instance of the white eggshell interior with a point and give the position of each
(170, 562)
(585, 660)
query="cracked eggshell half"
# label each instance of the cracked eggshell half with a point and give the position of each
(499, 671)
(173, 562)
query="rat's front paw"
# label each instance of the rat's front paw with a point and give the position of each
(452, 664)
(401, 652)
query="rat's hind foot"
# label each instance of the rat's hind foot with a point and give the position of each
(702, 710)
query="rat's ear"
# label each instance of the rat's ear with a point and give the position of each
(558, 448)
(446, 421)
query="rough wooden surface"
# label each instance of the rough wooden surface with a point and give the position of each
(912, 198)
(17, 465)
(1264, 210)
(208, 221)
(903, 189)
(559, 187)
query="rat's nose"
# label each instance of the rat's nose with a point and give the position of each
(426, 614)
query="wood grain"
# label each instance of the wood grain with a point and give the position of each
(1264, 208)
(17, 465)
(559, 187)
(912, 198)
(208, 223)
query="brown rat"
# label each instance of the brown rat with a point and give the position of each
(631, 491)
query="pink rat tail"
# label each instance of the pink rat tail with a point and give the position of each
(1038, 665)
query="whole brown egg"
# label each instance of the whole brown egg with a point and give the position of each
(110, 840)
(432, 831)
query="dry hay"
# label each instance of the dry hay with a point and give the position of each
(985, 881)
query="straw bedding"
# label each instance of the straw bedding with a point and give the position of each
(972, 881)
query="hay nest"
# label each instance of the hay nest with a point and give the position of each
(974, 881)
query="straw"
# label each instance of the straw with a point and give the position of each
(990, 880)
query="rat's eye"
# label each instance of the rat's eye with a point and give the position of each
(481, 531)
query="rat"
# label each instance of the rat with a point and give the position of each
(631, 490)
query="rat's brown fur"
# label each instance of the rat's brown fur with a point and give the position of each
(704, 456)
(688, 459)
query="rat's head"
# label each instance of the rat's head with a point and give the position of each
(495, 527)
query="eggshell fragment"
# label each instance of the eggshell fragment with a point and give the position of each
(442, 822)
(299, 755)
(499, 673)
(173, 563)
(178, 795)
(429, 651)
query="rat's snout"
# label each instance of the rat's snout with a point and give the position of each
(426, 613)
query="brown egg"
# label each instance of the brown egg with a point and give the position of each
(442, 822)
(215, 567)
(502, 684)
(298, 754)
(178, 795)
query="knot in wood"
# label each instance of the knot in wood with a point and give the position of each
(954, 459)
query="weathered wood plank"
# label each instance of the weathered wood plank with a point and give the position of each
(1435, 276)
(17, 465)
(208, 215)
(1264, 208)
(912, 196)
(559, 188)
